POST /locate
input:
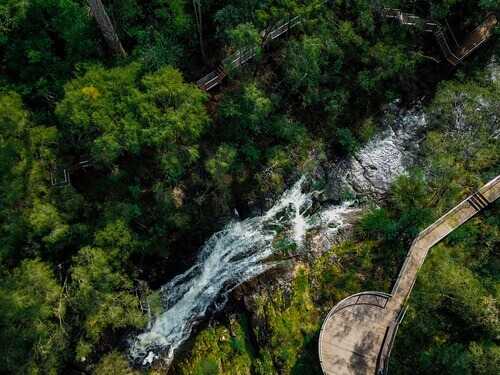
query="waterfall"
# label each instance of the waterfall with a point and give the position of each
(243, 249)
(234, 255)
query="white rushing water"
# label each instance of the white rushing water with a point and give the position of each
(239, 252)
(375, 167)
(230, 257)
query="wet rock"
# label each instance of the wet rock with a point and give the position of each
(224, 336)
(244, 250)
(233, 323)
(372, 171)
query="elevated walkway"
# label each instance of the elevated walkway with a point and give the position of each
(469, 44)
(239, 58)
(357, 335)
(61, 177)
(473, 41)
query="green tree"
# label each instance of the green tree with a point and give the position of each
(304, 62)
(113, 364)
(33, 338)
(103, 295)
(246, 39)
(408, 210)
(347, 142)
(462, 144)
(43, 41)
(12, 13)
(27, 154)
(221, 166)
(121, 110)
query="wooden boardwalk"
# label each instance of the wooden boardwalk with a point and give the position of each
(469, 44)
(239, 58)
(357, 335)
(477, 37)
(473, 41)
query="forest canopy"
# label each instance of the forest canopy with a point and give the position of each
(123, 110)
(115, 168)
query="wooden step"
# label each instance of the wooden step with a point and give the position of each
(482, 198)
(478, 201)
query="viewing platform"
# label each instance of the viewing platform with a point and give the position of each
(357, 335)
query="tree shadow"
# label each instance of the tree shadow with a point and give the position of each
(308, 361)
(358, 362)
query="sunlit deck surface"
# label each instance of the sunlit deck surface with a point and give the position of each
(482, 33)
(357, 335)
(353, 334)
(454, 56)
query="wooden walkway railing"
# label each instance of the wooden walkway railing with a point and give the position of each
(439, 230)
(358, 333)
(469, 44)
(239, 58)
(55, 177)
(477, 37)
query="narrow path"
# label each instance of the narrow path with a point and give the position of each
(357, 335)
(477, 37)
(470, 43)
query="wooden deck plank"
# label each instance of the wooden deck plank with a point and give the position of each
(477, 37)
(471, 42)
(353, 336)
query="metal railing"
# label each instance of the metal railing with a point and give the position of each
(438, 31)
(372, 298)
(239, 58)
(487, 20)
(387, 344)
(85, 162)
(484, 196)
(465, 204)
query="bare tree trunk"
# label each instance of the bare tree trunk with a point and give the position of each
(106, 27)
(197, 12)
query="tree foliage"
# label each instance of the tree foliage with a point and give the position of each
(32, 335)
(27, 158)
(112, 111)
(170, 163)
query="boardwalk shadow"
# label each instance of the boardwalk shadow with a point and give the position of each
(358, 362)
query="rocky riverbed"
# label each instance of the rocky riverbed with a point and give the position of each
(304, 223)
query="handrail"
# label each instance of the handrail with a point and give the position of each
(339, 306)
(482, 41)
(487, 187)
(394, 303)
(241, 56)
(385, 350)
(438, 30)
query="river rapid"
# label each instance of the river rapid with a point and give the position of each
(244, 249)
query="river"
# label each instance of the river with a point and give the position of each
(244, 249)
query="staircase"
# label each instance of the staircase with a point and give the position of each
(478, 201)
(475, 39)
(445, 47)
(84, 162)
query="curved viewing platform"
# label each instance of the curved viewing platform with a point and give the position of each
(357, 335)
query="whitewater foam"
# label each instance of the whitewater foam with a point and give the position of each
(242, 250)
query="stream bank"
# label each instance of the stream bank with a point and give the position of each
(300, 228)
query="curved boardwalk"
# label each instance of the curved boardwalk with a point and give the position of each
(357, 334)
